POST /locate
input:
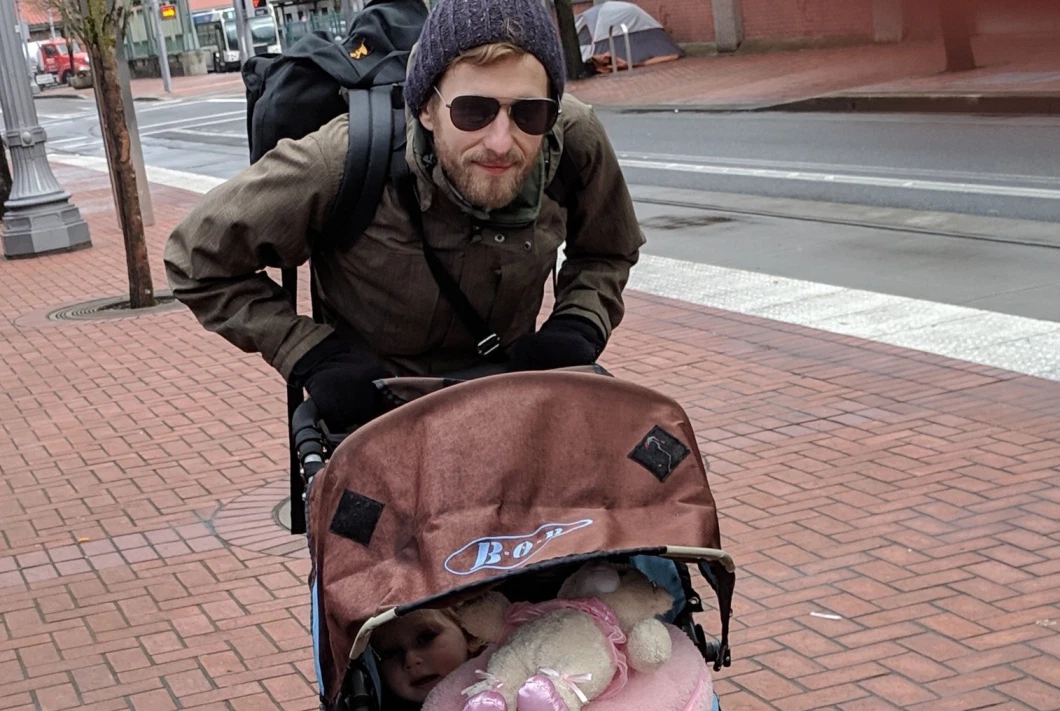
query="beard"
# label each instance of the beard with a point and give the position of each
(482, 190)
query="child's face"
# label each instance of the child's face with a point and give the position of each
(417, 651)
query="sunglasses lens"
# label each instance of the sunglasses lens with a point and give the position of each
(535, 116)
(470, 113)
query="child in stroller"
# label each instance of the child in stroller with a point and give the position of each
(416, 652)
(509, 483)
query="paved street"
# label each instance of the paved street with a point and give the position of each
(917, 162)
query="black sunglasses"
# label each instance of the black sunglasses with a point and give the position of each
(472, 113)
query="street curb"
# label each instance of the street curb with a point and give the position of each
(996, 104)
(1018, 104)
(683, 108)
(64, 95)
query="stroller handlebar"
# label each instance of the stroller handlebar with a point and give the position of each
(309, 438)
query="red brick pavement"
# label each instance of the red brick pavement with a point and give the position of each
(1021, 66)
(911, 499)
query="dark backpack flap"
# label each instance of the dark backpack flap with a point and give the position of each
(292, 95)
(385, 28)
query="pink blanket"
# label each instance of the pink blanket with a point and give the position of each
(682, 684)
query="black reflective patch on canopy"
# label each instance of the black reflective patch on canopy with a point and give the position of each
(356, 517)
(660, 453)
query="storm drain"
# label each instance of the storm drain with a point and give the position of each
(112, 307)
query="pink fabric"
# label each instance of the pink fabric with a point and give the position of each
(682, 684)
(522, 612)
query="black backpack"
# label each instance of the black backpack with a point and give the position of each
(316, 80)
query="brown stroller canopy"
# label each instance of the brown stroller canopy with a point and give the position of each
(487, 479)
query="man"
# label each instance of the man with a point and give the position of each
(487, 125)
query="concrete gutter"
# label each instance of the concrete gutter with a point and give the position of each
(995, 104)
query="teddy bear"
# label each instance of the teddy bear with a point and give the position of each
(560, 654)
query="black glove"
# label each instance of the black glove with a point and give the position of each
(340, 382)
(562, 342)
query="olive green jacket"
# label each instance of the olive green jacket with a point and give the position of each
(379, 293)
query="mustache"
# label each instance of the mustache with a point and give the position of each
(512, 157)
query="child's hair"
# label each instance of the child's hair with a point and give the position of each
(474, 644)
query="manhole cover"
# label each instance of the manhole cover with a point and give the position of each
(260, 521)
(112, 307)
(282, 514)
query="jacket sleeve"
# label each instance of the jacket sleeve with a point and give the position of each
(267, 216)
(604, 237)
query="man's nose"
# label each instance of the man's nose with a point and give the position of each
(499, 134)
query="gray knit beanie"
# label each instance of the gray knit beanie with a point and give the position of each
(455, 26)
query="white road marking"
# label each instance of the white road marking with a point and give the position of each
(214, 134)
(844, 179)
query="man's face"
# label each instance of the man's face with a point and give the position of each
(490, 165)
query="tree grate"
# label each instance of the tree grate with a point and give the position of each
(112, 307)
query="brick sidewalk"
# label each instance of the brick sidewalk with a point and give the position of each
(911, 499)
(1029, 67)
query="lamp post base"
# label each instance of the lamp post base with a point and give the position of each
(36, 230)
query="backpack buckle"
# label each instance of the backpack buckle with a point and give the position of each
(489, 344)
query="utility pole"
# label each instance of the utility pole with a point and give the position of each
(956, 35)
(160, 42)
(568, 36)
(38, 215)
(246, 42)
(349, 9)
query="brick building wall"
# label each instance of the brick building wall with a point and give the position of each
(693, 20)
(797, 19)
(997, 17)
(989, 17)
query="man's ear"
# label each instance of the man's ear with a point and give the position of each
(427, 115)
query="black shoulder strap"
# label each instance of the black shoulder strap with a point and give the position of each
(377, 128)
(566, 183)
(488, 342)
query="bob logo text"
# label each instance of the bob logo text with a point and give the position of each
(508, 552)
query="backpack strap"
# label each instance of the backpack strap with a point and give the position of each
(373, 123)
(566, 184)
(487, 341)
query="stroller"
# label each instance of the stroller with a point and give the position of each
(507, 482)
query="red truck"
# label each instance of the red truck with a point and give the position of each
(53, 57)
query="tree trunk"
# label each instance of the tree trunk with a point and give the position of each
(5, 179)
(69, 49)
(956, 35)
(123, 176)
(569, 37)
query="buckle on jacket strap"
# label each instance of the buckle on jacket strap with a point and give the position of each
(489, 344)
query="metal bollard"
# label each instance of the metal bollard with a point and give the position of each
(629, 52)
(611, 46)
